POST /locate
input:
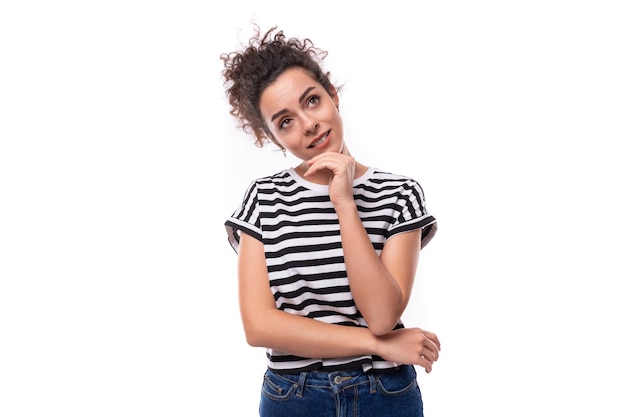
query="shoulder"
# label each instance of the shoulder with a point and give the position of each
(269, 180)
(382, 175)
(389, 179)
(280, 183)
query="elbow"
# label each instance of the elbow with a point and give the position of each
(382, 327)
(253, 341)
(380, 330)
(382, 318)
(254, 337)
(382, 321)
(260, 326)
(258, 332)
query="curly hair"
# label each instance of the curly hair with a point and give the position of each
(248, 72)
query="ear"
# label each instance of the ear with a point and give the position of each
(335, 95)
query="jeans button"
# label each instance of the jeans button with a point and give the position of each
(338, 379)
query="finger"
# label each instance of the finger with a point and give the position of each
(434, 338)
(333, 166)
(425, 363)
(431, 355)
(334, 157)
(317, 164)
(431, 351)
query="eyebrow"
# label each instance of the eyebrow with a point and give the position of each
(303, 95)
(300, 99)
(280, 113)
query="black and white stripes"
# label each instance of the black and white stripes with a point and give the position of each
(298, 226)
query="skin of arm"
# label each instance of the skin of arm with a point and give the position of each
(381, 286)
(266, 326)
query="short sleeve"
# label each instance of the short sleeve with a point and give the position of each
(245, 218)
(413, 214)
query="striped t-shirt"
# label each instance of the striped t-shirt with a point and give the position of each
(296, 222)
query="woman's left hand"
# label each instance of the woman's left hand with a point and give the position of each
(342, 169)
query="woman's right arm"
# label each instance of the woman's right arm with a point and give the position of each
(266, 326)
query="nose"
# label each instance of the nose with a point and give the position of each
(310, 126)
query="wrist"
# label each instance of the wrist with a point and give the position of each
(372, 343)
(346, 209)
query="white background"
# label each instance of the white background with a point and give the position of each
(119, 163)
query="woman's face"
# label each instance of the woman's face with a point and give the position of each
(301, 115)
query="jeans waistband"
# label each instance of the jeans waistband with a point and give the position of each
(335, 380)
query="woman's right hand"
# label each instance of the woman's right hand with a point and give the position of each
(410, 346)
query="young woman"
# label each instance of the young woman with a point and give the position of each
(327, 250)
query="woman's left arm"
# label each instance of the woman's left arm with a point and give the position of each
(381, 286)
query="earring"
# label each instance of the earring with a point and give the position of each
(284, 152)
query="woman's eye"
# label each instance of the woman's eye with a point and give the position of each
(284, 123)
(314, 99)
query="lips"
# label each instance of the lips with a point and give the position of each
(319, 140)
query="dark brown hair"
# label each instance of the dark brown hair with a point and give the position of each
(249, 71)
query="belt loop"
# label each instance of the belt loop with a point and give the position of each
(301, 384)
(372, 379)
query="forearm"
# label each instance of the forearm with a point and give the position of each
(311, 338)
(377, 295)
(266, 326)
(307, 337)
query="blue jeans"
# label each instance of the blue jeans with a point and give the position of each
(393, 393)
